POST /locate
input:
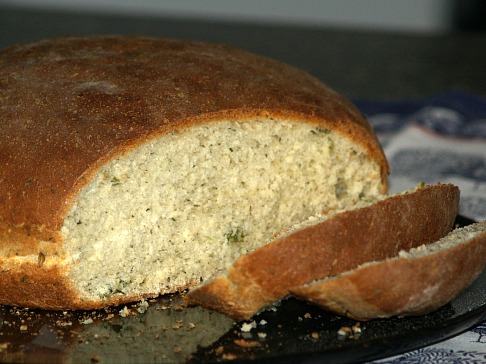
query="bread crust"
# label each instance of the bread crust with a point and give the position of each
(400, 286)
(68, 105)
(339, 244)
(29, 284)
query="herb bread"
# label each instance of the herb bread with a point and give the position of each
(132, 166)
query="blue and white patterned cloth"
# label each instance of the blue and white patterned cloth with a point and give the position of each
(438, 139)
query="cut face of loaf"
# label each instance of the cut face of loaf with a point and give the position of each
(327, 246)
(415, 282)
(135, 166)
(182, 207)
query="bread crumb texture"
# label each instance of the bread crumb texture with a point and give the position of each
(186, 204)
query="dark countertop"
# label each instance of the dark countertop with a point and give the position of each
(359, 64)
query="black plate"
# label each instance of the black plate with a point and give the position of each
(167, 332)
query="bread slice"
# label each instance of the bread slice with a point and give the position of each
(327, 246)
(135, 166)
(415, 282)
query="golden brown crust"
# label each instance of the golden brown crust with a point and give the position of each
(23, 240)
(339, 244)
(30, 284)
(29, 280)
(67, 105)
(400, 286)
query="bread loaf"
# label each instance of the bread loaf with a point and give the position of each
(415, 282)
(328, 245)
(135, 166)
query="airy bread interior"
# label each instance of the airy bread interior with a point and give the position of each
(186, 204)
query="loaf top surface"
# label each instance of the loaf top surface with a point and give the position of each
(69, 104)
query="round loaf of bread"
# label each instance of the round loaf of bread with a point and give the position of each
(135, 166)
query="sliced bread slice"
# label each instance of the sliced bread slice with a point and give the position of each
(415, 282)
